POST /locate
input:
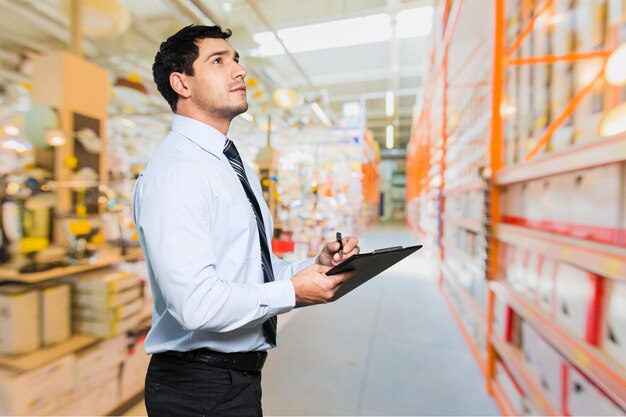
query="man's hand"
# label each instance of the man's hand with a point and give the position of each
(330, 255)
(313, 286)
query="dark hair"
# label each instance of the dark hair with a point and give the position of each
(178, 53)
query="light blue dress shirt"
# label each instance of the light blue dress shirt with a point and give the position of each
(200, 240)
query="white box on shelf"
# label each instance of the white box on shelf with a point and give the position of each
(577, 294)
(591, 109)
(583, 398)
(510, 387)
(36, 392)
(19, 325)
(500, 317)
(556, 205)
(530, 343)
(549, 370)
(116, 313)
(546, 288)
(596, 203)
(531, 276)
(106, 329)
(533, 210)
(613, 328)
(55, 320)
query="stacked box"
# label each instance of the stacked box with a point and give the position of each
(55, 305)
(133, 374)
(19, 319)
(107, 304)
(36, 392)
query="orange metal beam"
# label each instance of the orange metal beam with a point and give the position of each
(497, 163)
(526, 31)
(567, 112)
(550, 59)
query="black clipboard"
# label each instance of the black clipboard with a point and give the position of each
(368, 265)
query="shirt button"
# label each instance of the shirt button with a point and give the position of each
(157, 387)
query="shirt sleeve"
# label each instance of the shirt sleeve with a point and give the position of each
(172, 213)
(285, 270)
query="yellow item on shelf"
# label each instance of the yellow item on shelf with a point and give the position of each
(97, 239)
(80, 227)
(70, 162)
(33, 244)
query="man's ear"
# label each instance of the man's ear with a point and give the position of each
(178, 82)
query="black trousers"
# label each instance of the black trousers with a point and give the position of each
(176, 387)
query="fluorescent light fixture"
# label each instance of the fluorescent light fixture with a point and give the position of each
(389, 138)
(389, 103)
(615, 71)
(345, 32)
(320, 114)
(414, 22)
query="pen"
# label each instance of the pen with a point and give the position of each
(339, 239)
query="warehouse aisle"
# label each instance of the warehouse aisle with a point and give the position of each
(390, 348)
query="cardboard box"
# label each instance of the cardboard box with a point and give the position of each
(36, 392)
(556, 203)
(100, 398)
(55, 305)
(106, 329)
(19, 324)
(106, 282)
(583, 398)
(613, 334)
(133, 375)
(578, 297)
(546, 288)
(102, 301)
(102, 358)
(549, 370)
(529, 345)
(109, 315)
(596, 203)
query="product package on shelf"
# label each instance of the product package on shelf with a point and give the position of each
(510, 387)
(55, 306)
(133, 375)
(36, 392)
(19, 327)
(546, 290)
(582, 398)
(613, 327)
(549, 371)
(578, 297)
(107, 303)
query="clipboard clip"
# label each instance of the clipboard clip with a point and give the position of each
(391, 249)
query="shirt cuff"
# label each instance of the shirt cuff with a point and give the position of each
(278, 296)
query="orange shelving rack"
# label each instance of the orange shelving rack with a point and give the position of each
(480, 149)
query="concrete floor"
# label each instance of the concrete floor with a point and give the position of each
(389, 348)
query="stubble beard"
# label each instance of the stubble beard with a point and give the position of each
(222, 111)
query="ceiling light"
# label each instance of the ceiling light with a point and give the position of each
(320, 114)
(354, 31)
(614, 122)
(414, 22)
(389, 103)
(11, 130)
(55, 138)
(615, 72)
(389, 139)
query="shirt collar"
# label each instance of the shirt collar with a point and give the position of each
(203, 135)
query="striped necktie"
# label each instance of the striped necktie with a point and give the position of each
(269, 326)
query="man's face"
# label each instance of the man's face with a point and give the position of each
(218, 86)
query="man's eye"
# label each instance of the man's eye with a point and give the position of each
(217, 61)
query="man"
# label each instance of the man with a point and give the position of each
(205, 231)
